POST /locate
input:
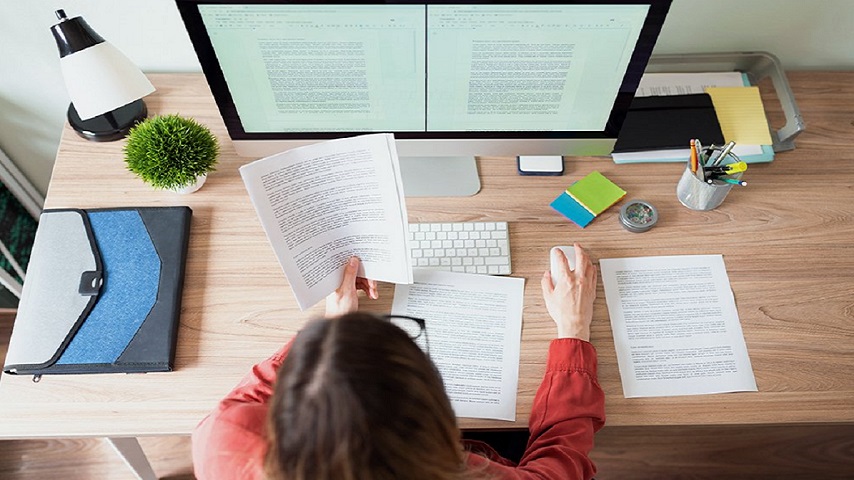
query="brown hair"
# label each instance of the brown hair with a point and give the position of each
(357, 399)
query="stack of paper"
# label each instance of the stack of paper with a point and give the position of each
(587, 198)
(738, 107)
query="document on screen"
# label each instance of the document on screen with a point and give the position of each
(323, 203)
(473, 326)
(675, 325)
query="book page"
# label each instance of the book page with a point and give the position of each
(323, 203)
(473, 328)
(676, 328)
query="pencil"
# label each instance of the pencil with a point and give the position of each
(694, 160)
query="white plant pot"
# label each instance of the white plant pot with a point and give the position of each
(200, 180)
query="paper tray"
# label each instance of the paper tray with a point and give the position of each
(757, 66)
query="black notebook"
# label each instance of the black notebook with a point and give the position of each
(102, 292)
(669, 122)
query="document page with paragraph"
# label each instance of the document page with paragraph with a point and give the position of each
(473, 328)
(323, 203)
(676, 327)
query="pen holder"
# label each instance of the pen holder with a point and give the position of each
(697, 194)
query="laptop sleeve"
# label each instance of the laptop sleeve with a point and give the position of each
(669, 122)
(102, 292)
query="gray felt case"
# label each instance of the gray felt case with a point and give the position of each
(67, 276)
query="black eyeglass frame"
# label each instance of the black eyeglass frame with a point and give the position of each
(422, 324)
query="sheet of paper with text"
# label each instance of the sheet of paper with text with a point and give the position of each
(676, 327)
(474, 329)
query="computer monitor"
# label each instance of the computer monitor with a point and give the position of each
(451, 80)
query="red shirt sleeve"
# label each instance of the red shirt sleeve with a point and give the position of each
(568, 409)
(230, 443)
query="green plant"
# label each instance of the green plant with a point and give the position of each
(170, 151)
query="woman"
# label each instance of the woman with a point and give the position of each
(353, 397)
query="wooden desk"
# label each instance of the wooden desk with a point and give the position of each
(787, 240)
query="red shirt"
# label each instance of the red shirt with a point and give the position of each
(568, 409)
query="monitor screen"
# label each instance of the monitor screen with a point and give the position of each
(447, 78)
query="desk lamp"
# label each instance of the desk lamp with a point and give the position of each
(105, 87)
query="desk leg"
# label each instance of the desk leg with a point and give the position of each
(128, 448)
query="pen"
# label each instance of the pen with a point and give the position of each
(728, 148)
(727, 169)
(708, 152)
(701, 160)
(728, 180)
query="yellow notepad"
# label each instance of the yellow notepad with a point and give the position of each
(741, 114)
(595, 192)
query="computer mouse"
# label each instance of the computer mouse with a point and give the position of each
(569, 252)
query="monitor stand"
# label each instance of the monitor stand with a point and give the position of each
(439, 176)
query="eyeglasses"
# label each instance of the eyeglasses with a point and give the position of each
(416, 328)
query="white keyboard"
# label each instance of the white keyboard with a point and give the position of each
(470, 247)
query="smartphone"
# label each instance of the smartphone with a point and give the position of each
(550, 165)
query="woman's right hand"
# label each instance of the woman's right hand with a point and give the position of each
(345, 299)
(569, 297)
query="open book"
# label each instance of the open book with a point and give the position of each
(322, 203)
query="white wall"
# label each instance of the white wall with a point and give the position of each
(805, 35)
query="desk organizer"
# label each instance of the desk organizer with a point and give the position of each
(757, 66)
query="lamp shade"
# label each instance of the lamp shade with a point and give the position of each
(98, 77)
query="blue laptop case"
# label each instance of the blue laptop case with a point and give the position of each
(102, 292)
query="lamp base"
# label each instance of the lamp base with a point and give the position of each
(111, 126)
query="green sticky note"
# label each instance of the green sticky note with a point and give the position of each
(595, 192)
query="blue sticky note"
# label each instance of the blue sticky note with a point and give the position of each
(569, 208)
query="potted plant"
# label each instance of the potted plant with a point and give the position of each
(171, 152)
